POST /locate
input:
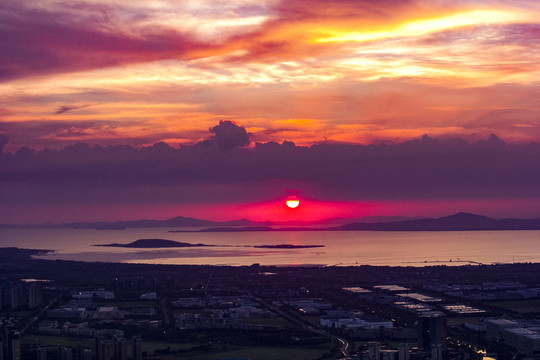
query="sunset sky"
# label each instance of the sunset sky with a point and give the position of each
(325, 100)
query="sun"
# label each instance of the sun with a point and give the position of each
(292, 202)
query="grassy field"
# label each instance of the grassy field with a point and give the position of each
(55, 340)
(252, 353)
(151, 346)
(520, 306)
(17, 313)
(188, 311)
(314, 319)
(270, 321)
(128, 304)
(192, 351)
(457, 321)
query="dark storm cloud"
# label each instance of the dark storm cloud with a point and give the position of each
(229, 136)
(425, 168)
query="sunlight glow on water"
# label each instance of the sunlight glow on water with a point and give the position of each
(340, 247)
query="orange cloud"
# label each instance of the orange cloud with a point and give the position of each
(293, 70)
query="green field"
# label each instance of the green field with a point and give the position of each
(252, 353)
(270, 321)
(314, 319)
(193, 351)
(151, 346)
(17, 313)
(55, 340)
(128, 304)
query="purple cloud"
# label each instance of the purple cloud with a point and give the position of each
(74, 38)
(229, 136)
(3, 141)
(425, 168)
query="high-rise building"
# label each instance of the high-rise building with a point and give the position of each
(97, 347)
(137, 348)
(432, 330)
(41, 353)
(436, 352)
(403, 351)
(79, 351)
(87, 354)
(2, 296)
(16, 295)
(120, 348)
(106, 351)
(14, 346)
(65, 353)
(2, 345)
(374, 350)
(35, 297)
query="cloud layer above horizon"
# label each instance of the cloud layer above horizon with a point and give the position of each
(108, 104)
(112, 72)
(220, 178)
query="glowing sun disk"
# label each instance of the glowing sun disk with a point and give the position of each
(292, 203)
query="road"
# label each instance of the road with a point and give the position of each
(36, 317)
(343, 348)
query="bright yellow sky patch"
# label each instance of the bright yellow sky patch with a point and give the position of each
(426, 26)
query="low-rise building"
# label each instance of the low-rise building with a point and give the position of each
(352, 321)
(149, 296)
(99, 294)
(495, 327)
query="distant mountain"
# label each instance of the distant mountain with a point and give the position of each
(235, 229)
(374, 219)
(182, 222)
(459, 221)
(178, 221)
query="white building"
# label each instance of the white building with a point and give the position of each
(353, 321)
(89, 295)
(149, 296)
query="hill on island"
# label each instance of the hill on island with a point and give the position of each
(154, 243)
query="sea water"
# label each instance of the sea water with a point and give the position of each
(342, 248)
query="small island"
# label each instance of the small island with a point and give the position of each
(15, 254)
(163, 243)
(154, 243)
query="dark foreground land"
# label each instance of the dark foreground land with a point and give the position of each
(261, 312)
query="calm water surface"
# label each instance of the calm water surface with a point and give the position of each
(340, 247)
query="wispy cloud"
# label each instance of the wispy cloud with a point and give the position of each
(65, 108)
(349, 71)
